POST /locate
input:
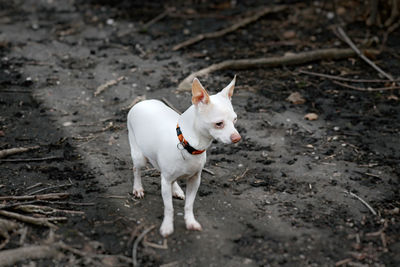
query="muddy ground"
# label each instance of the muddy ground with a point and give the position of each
(280, 197)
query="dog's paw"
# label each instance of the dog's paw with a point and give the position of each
(138, 193)
(179, 194)
(166, 229)
(177, 191)
(193, 225)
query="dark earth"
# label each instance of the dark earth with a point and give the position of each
(280, 197)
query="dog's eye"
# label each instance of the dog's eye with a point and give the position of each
(235, 120)
(219, 125)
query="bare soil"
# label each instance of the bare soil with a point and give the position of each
(280, 197)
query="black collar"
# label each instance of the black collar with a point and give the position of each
(186, 144)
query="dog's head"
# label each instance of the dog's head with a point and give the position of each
(215, 114)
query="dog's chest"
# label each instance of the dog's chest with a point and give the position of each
(189, 166)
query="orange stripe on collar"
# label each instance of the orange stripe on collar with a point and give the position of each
(185, 143)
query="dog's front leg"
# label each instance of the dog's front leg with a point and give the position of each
(191, 191)
(167, 226)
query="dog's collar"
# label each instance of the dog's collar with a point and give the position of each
(185, 143)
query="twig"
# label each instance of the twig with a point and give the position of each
(31, 159)
(136, 243)
(208, 171)
(389, 31)
(343, 262)
(33, 186)
(369, 89)
(166, 12)
(134, 102)
(48, 188)
(343, 78)
(289, 59)
(114, 196)
(241, 23)
(104, 86)
(16, 150)
(170, 105)
(362, 201)
(45, 209)
(12, 256)
(51, 196)
(154, 245)
(32, 220)
(346, 38)
(241, 176)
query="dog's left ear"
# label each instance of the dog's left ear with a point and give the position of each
(228, 91)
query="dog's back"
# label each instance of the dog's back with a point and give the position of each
(151, 126)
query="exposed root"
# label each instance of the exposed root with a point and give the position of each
(288, 59)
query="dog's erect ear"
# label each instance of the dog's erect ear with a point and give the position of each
(228, 91)
(199, 94)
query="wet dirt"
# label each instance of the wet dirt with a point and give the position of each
(278, 197)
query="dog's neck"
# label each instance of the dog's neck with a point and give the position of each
(198, 138)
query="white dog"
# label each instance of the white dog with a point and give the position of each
(175, 145)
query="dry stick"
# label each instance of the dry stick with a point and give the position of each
(332, 77)
(366, 89)
(154, 245)
(346, 38)
(362, 201)
(31, 159)
(104, 86)
(48, 188)
(51, 196)
(170, 105)
(234, 27)
(136, 243)
(16, 150)
(45, 209)
(208, 171)
(12, 256)
(134, 102)
(290, 59)
(241, 176)
(33, 186)
(31, 220)
(158, 18)
(343, 262)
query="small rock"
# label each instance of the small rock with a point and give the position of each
(336, 128)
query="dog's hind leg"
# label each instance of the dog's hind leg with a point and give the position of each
(139, 161)
(177, 191)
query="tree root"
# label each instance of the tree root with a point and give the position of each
(288, 59)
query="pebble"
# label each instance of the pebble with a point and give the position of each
(110, 22)
(336, 128)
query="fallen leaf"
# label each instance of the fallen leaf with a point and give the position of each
(289, 34)
(393, 97)
(296, 98)
(311, 117)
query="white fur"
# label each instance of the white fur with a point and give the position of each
(152, 137)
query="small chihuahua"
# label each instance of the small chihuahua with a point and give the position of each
(176, 144)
